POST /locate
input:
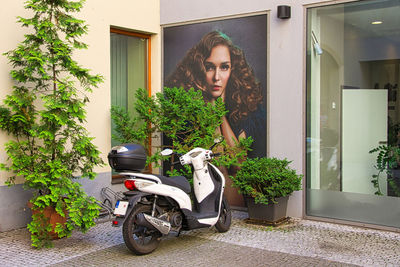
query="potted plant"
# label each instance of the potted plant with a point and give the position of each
(44, 115)
(266, 184)
(387, 163)
(184, 119)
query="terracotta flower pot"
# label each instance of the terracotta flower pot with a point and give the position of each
(51, 214)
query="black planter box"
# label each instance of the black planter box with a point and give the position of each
(127, 157)
(271, 213)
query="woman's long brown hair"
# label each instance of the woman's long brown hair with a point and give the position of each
(243, 93)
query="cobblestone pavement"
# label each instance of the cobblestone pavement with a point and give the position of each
(298, 243)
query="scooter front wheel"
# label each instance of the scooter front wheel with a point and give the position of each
(138, 238)
(225, 217)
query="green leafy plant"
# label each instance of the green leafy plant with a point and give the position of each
(387, 159)
(45, 114)
(266, 179)
(184, 118)
(393, 132)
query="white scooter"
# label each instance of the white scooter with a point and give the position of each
(157, 205)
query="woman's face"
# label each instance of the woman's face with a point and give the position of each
(218, 70)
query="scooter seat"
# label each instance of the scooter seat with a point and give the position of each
(178, 181)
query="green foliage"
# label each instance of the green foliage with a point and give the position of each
(40, 229)
(387, 159)
(266, 179)
(45, 112)
(184, 118)
(393, 132)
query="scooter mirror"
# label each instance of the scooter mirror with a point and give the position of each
(218, 139)
(167, 152)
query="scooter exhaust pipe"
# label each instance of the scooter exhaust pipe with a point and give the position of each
(153, 223)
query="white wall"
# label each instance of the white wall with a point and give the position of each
(285, 107)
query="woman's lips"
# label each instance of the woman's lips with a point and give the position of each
(216, 88)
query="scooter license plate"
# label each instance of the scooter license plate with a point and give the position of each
(121, 207)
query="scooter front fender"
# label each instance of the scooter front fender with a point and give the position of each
(133, 199)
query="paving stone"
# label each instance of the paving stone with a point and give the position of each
(297, 243)
(193, 251)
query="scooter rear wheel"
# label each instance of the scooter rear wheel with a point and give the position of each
(139, 239)
(225, 217)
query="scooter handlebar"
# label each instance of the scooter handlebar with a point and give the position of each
(195, 153)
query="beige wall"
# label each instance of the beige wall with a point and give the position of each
(139, 16)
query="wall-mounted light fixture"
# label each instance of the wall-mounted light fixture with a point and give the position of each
(284, 12)
(317, 47)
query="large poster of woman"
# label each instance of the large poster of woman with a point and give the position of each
(224, 59)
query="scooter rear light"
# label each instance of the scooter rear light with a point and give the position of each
(130, 185)
(115, 223)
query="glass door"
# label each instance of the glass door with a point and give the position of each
(353, 112)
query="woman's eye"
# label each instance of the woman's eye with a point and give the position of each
(209, 67)
(225, 67)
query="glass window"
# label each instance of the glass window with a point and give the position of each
(129, 68)
(353, 112)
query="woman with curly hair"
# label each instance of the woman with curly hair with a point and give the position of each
(219, 69)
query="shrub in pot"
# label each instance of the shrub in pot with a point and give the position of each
(266, 182)
(44, 115)
(184, 118)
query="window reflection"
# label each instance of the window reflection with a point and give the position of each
(353, 111)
